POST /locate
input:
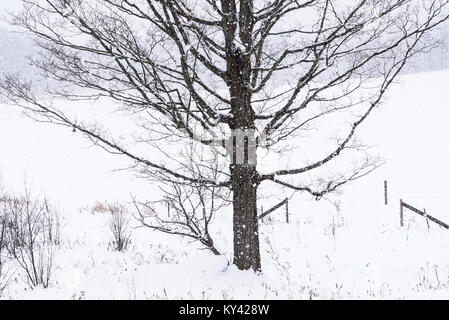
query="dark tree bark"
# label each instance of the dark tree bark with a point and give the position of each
(246, 230)
(243, 175)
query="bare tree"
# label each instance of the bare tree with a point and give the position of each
(190, 207)
(4, 255)
(119, 227)
(234, 76)
(31, 226)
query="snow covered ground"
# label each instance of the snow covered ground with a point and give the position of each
(345, 246)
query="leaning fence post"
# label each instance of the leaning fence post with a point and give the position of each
(386, 192)
(427, 219)
(286, 211)
(401, 214)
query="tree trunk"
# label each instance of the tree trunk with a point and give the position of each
(246, 231)
(243, 167)
(243, 144)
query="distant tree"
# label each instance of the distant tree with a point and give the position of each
(233, 76)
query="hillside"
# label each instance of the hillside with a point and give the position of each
(346, 246)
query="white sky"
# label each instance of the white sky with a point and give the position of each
(10, 4)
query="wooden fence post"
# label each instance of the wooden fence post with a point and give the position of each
(286, 211)
(401, 214)
(424, 214)
(427, 220)
(386, 192)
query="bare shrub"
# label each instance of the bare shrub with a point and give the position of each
(100, 207)
(53, 224)
(187, 210)
(4, 256)
(119, 227)
(32, 235)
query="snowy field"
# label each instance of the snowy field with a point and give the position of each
(343, 247)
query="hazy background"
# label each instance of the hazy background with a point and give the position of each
(5, 6)
(14, 47)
